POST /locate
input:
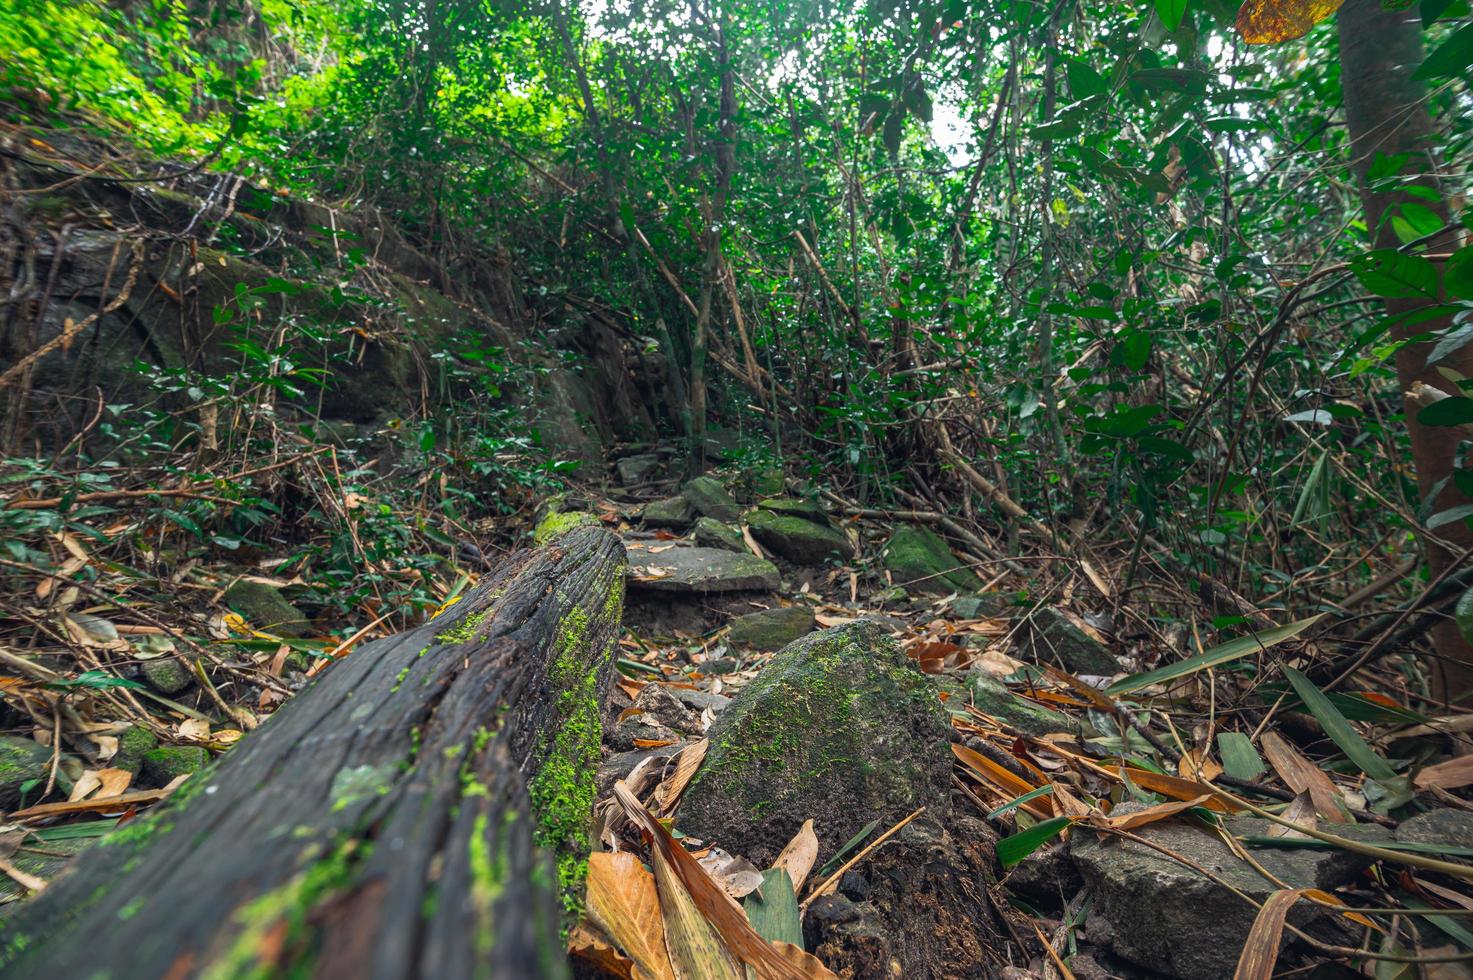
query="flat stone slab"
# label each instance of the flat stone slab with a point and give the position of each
(681, 568)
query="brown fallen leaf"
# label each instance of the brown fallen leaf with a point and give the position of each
(622, 901)
(798, 857)
(767, 960)
(1011, 785)
(593, 947)
(696, 948)
(1176, 788)
(1303, 776)
(687, 761)
(1140, 818)
(1451, 774)
(116, 804)
(1261, 947)
(114, 782)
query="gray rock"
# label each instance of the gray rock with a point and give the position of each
(771, 629)
(23, 761)
(672, 512)
(710, 499)
(264, 608)
(633, 470)
(700, 570)
(799, 540)
(711, 533)
(979, 606)
(919, 558)
(701, 700)
(166, 675)
(809, 510)
(839, 727)
(1051, 637)
(1160, 914)
(655, 715)
(1444, 827)
(991, 696)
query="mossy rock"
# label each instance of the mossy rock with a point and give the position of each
(169, 761)
(561, 522)
(133, 745)
(1052, 636)
(918, 558)
(809, 510)
(672, 512)
(711, 533)
(166, 675)
(798, 540)
(991, 696)
(771, 629)
(709, 498)
(839, 728)
(25, 761)
(263, 607)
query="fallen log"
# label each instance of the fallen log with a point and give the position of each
(412, 814)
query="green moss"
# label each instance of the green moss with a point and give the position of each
(462, 632)
(134, 743)
(399, 679)
(488, 880)
(168, 761)
(556, 524)
(358, 783)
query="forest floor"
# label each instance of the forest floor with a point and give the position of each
(1138, 798)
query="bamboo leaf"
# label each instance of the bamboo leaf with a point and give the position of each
(1223, 653)
(1239, 758)
(1339, 730)
(1011, 850)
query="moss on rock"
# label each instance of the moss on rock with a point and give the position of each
(798, 539)
(920, 559)
(711, 533)
(166, 675)
(263, 607)
(23, 762)
(709, 497)
(133, 745)
(771, 629)
(168, 761)
(839, 728)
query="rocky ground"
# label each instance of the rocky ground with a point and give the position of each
(974, 773)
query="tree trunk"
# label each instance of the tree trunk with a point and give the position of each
(397, 819)
(1380, 48)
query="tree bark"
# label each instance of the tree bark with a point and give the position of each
(397, 819)
(1380, 48)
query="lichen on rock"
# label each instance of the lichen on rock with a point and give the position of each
(839, 727)
(561, 522)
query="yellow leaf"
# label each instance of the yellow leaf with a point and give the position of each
(798, 857)
(1261, 948)
(1274, 21)
(623, 903)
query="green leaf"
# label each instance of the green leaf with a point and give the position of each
(1171, 12)
(1339, 730)
(1239, 758)
(773, 909)
(1454, 410)
(1457, 275)
(1011, 850)
(1451, 58)
(1387, 272)
(1222, 653)
(1463, 615)
(96, 679)
(1013, 804)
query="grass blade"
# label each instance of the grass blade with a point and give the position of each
(1223, 653)
(1339, 730)
(1011, 850)
(1019, 801)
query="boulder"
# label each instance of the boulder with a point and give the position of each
(839, 728)
(1052, 636)
(710, 499)
(710, 533)
(1160, 914)
(264, 608)
(24, 761)
(133, 745)
(809, 510)
(671, 512)
(979, 606)
(771, 629)
(991, 696)
(633, 470)
(918, 558)
(166, 675)
(655, 716)
(799, 540)
(1444, 827)
(167, 762)
(700, 570)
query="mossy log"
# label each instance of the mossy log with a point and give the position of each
(414, 813)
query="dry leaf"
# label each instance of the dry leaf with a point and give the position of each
(1301, 812)
(1261, 947)
(1140, 818)
(593, 947)
(1451, 774)
(192, 729)
(1275, 21)
(736, 874)
(725, 915)
(622, 902)
(1177, 788)
(687, 761)
(114, 782)
(798, 857)
(1303, 776)
(84, 786)
(696, 948)
(1011, 785)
